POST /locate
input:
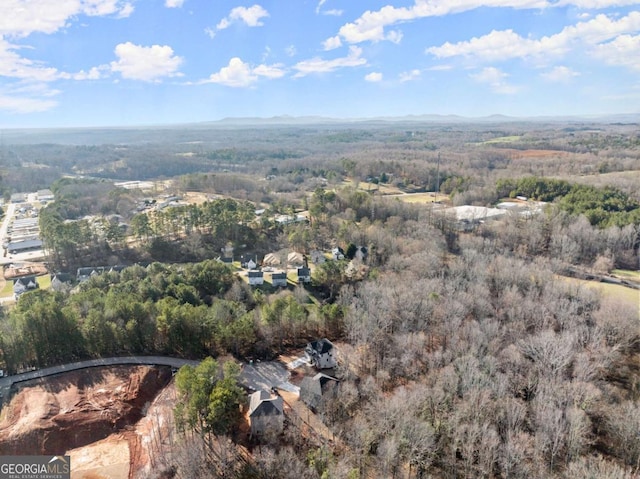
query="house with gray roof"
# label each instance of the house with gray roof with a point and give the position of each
(321, 354)
(304, 275)
(318, 388)
(24, 284)
(266, 414)
(279, 279)
(256, 278)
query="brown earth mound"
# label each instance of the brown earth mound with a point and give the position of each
(34, 269)
(56, 414)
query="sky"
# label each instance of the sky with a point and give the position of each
(73, 63)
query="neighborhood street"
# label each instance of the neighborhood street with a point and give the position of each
(261, 375)
(7, 381)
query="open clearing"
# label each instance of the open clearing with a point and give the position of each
(428, 197)
(373, 187)
(502, 139)
(627, 274)
(620, 293)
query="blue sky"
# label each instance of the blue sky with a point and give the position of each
(133, 62)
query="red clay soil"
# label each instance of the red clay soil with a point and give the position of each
(71, 410)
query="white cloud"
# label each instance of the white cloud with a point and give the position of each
(28, 97)
(596, 4)
(136, 62)
(506, 44)
(320, 3)
(559, 74)
(269, 71)
(409, 76)
(210, 32)
(13, 65)
(373, 77)
(319, 65)
(332, 43)
(496, 79)
(441, 68)
(95, 73)
(623, 51)
(20, 18)
(395, 36)
(173, 3)
(25, 105)
(371, 25)
(240, 74)
(251, 16)
(290, 50)
(333, 12)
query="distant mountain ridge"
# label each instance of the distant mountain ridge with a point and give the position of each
(430, 118)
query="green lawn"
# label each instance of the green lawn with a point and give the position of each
(44, 282)
(7, 290)
(627, 274)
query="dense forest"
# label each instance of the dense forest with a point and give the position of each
(464, 352)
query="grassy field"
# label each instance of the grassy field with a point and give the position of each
(7, 290)
(627, 274)
(44, 282)
(381, 189)
(620, 293)
(421, 197)
(502, 139)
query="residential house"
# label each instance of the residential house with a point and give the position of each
(361, 253)
(256, 278)
(18, 198)
(337, 253)
(266, 414)
(24, 284)
(317, 257)
(304, 275)
(314, 390)
(321, 354)
(251, 264)
(270, 259)
(85, 273)
(45, 195)
(61, 282)
(279, 279)
(295, 260)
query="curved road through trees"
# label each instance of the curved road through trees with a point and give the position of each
(8, 381)
(260, 375)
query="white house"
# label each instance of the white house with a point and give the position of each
(256, 278)
(24, 284)
(279, 279)
(304, 275)
(321, 354)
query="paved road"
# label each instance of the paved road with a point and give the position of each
(8, 381)
(260, 375)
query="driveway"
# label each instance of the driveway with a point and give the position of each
(267, 375)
